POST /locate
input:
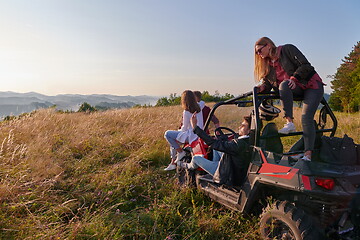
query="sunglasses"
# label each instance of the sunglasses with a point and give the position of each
(258, 52)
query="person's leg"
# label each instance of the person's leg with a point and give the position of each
(170, 137)
(312, 98)
(198, 161)
(217, 155)
(287, 100)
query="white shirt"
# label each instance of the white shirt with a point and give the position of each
(187, 132)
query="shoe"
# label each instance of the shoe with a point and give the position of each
(288, 128)
(180, 156)
(170, 167)
(305, 158)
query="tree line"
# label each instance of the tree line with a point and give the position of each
(346, 83)
(173, 99)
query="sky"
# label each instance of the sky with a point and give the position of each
(159, 47)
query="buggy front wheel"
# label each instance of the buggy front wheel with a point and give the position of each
(282, 220)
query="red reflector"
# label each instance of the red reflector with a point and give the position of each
(326, 183)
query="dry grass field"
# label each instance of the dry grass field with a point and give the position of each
(99, 176)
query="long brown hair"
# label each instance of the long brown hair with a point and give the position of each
(188, 102)
(262, 67)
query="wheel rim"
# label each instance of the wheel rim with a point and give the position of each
(277, 229)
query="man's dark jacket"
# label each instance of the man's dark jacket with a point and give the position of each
(294, 64)
(234, 163)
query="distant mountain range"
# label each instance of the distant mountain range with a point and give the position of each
(12, 103)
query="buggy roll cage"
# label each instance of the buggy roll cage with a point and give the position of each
(243, 100)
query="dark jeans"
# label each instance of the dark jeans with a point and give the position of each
(311, 99)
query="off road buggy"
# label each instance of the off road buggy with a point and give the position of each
(294, 199)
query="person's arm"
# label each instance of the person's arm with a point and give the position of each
(203, 135)
(304, 70)
(264, 86)
(230, 147)
(200, 132)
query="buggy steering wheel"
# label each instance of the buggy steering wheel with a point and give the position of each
(221, 135)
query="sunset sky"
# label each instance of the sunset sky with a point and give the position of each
(158, 47)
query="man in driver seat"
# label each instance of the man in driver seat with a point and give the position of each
(230, 157)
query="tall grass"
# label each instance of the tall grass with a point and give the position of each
(99, 176)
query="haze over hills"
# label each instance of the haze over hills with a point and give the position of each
(12, 103)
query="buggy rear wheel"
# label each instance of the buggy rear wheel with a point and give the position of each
(282, 220)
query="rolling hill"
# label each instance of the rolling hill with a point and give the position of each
(12, 103)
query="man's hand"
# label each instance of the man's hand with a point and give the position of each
(193, 120)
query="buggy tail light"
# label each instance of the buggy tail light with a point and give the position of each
(327, 183)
